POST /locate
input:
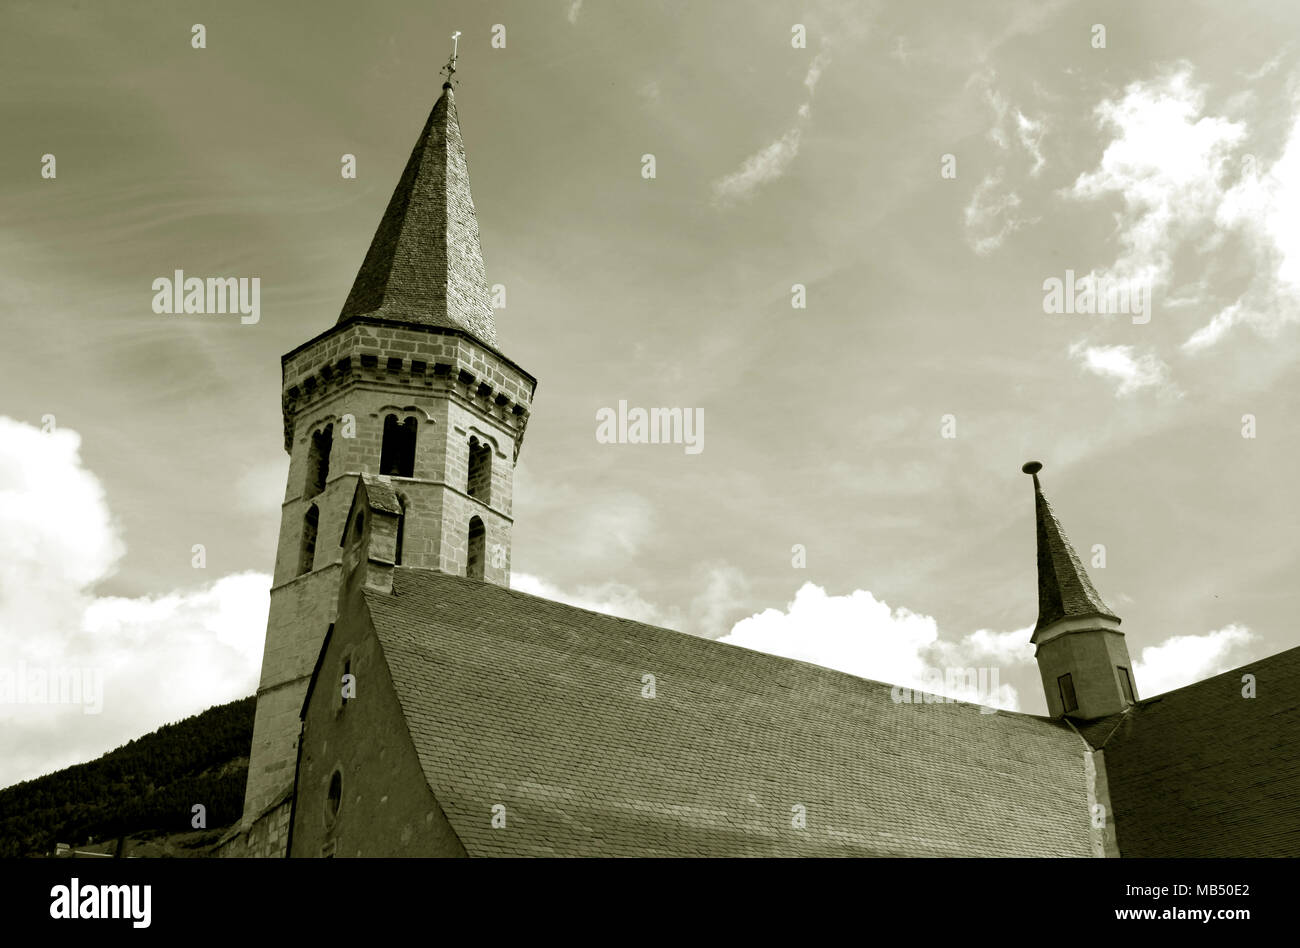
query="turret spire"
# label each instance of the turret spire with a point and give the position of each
(1064, 589)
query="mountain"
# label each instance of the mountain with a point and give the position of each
(144, 790)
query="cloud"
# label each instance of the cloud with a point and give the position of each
(815, 69)
(1165, 163)
(760, 167)
(991, 216)
(863, 636)
(1186, 659)
(1006, 120)
(609, 598)
(772, 161)
(1215, 329)
(1173, 168)
(725, 591)
(1030, 134)
(159, 658)
(1118, 363)
(574, 9)
(1268, 67)
(651, 91)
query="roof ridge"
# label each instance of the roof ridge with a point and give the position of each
(780, 659)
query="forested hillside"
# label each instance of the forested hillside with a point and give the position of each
(146, 787)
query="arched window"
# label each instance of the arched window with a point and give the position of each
(479, 482)
(310, 523)
(397, 457)
(477, 540)
(318, 460)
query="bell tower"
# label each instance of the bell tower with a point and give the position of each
(1081, 653)
(408, 383)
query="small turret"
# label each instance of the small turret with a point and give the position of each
(1081, 652)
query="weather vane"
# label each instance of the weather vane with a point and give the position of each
(450, 68)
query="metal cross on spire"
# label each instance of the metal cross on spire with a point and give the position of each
(450, 68)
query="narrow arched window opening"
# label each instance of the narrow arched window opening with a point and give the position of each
(397, 456)
(318, 460)
(310, 525)
(477, 542)
(479, 481)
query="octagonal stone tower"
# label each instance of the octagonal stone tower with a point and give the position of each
(409, 384)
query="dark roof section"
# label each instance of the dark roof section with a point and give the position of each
(1064, 590)
(515, 700)
(1205, 771)
(425, 264)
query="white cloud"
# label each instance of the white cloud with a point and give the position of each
(574, 9)
(651, 90)
(991, 216)
(766, 165)
(1118, 363)
(1268, 67)
(1186, 659)
(724, 592)
(1030, 133)
(1175, 171)
(815, 69)
(609, 598)
(772, 161)
(1215, 329)
(863, 636)
(161, 658)
(1165, 162)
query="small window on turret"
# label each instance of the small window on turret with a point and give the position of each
(397, 456)
(1068, 701)
(1126, 684)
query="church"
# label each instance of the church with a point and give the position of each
(412, 704)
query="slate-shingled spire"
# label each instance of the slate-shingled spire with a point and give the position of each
(424, 264)
(1064, 590)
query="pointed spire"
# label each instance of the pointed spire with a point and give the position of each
(425, 264)
(1064, 590)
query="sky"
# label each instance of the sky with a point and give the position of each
(920, 172)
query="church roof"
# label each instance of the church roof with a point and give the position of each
(538, 706)
(1064, 589)
(1205, 770)
(425, 264)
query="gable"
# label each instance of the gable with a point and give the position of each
(386, 806)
